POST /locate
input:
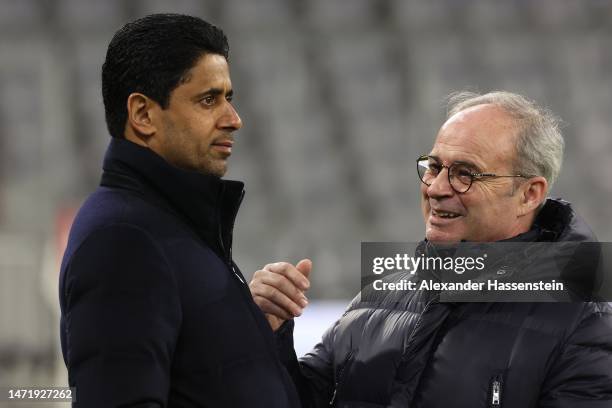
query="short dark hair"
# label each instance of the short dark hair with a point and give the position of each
(151, 56)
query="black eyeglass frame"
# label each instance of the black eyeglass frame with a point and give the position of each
(473, 176)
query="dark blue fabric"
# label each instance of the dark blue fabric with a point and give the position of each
(154, 311)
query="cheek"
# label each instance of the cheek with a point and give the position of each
(423, 189)
(424, 196)
(192, 134)
(424, 202)
(205, 125)
(479, 198)
(425, 211)
(488, 208)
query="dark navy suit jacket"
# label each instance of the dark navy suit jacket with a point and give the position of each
(154, 311)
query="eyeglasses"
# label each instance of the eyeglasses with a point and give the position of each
(460, 175)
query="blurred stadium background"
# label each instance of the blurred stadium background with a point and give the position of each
(338, 98)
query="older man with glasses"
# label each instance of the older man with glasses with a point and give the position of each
(485, 180)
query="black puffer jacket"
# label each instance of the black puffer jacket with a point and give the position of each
(416, 351)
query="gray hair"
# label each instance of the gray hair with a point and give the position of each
(539, 146)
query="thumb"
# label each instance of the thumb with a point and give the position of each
(304, 267)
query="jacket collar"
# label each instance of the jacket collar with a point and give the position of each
(558, 221)
(206, 203)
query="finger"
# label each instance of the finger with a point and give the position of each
(284, 285)
(277, 297)
(288, 270)
(270, 308)
(304, 267)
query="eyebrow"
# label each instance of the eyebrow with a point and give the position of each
(213, 92)
(465, 162)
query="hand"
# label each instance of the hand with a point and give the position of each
(278, 289)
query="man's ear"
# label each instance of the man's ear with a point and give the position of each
(533, 193)
(141, 124)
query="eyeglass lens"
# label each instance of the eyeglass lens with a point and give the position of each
(460, 176)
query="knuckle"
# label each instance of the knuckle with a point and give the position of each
(273, 277)
(270, 292)
(259, 301)
(280, 281)
(277, 281)
(264, 290)
(255, 279)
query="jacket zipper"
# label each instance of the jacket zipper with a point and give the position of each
(228, 258)
(240, 278)
(340, 376)
(496, 391)
(228, 251)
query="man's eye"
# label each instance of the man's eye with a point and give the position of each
(463, 172)
(208, 100)
(434, 167)
(229, 98)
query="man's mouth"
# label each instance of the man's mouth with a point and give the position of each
(224, 146)
(444, 214)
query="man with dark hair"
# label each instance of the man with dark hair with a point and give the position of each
(485, 180)
(155, 313)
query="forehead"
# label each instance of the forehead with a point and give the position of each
(483, 135)
(210, 70)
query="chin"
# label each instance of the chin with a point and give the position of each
(214, 170)
(220, 172)
(443, 240)
(216, 173)
(437, 236)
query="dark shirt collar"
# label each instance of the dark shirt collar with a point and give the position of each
(207, 203)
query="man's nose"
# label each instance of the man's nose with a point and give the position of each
(440, 186)
(230, 120)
